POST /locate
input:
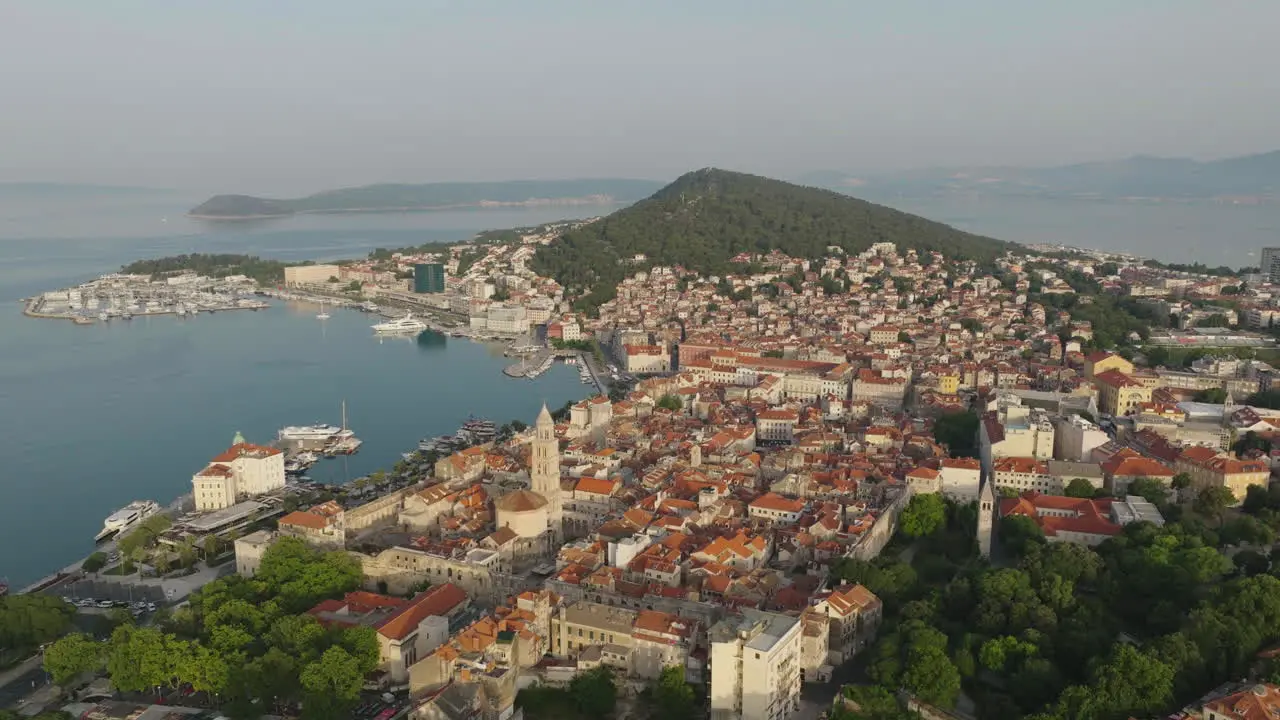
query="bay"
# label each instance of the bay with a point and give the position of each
(93, 417)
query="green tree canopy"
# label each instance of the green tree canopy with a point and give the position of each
(925, 514)
(72, 655)
(959, 432)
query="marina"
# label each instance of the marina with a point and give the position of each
(124, 297)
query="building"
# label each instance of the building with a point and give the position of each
(322, 526)
(296, 275)
(1127, 465)
(428, 278)
(854, 614)
(643, 359)
(960, 478)
(249, 551)
(776, 508)
(1270, 267)
(1120, 394)
(1021, 474)
(408, 630)
(1099, 362)
(1075, 438)
(1015, 430)
(986, 518)
(776, 425)
(1208, 468)
(512, 319)
(1257, 702)
(537, 514)
(243, 471)
(755, 666)
(1064, 519)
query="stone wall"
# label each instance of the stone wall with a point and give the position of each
(383, 510)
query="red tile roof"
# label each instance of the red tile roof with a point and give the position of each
(438, 600)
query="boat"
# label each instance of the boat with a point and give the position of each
(126, 517)
(322, 315)
(308, 432)
(408, 323)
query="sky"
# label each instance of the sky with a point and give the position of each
(292, 96)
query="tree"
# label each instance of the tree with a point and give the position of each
(1080, 488)
(1151, 489)
(931, 676)
(924, 515)
(670, 402)
(959, 432)
(1211, 501)
(141, 658)
(1181, 481)
(595, 692)
(673, 697)
(211, 546)
(1017, 531)
(30, 619)
(72, 655)
(867, 702)
(298, 636)
(1251, 562)
(273, 677)
(94, 562)
(362, 643)
(331, 684)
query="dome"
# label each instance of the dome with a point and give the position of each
(520, 501)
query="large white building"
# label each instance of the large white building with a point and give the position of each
(508, 319)
(755, 666)
(1076, 438)
(1012, 429)
(243, 471)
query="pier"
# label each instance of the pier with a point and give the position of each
(124, 297)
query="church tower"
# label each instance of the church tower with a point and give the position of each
(544, 474)
(986, 517)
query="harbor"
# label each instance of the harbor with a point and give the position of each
(124, 297)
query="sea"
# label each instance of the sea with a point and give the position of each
(93, 417)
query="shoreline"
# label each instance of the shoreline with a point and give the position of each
(483, 205)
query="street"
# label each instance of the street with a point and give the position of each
(18, 682)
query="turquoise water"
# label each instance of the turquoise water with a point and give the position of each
(92, 417)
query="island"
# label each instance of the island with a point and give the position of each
(430, 196)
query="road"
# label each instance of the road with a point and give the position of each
(18, 681)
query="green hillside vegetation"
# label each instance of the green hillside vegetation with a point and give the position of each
(706, 217)
(431, 196)
(212, 265)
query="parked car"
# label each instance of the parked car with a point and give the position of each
(104, 604)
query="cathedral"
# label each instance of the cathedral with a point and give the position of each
(535, 516)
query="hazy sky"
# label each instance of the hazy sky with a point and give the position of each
(288, 96)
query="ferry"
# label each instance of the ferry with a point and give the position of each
(308, 432)
(126, 517)
(408, 323)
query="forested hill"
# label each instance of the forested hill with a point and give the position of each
(706, 217)
(431, 196)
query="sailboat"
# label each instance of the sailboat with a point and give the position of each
(322, 315)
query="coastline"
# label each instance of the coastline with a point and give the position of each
(482, 205)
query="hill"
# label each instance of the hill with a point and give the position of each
(1140, 176)
(431, 196)
(706, 217)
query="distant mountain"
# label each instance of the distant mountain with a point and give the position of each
(431, 196)
(1141, 176)
(706, 217)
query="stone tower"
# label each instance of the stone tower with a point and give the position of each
(986, 517)
(544, 473)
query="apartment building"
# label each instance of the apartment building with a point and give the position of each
(1120, 394)
(1208, 468)
(755, 666)
(1021, 474)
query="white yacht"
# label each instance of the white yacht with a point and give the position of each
(408, 323)
(308, 432)
(126, 517)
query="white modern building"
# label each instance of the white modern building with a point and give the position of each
(1076, 438)
(755, 666)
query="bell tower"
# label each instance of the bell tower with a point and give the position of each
(544, 472)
